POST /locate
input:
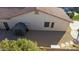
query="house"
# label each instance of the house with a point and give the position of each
(36, 18)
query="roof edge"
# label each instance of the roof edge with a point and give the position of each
(37, 10)
(56, 16)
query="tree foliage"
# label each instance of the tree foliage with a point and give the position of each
(71, 15)
(18, 45)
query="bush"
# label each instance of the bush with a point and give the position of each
(18, 45)
(71, 14)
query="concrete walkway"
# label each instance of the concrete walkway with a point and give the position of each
(74, 27)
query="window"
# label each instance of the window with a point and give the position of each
(52, 25)
(46, 24)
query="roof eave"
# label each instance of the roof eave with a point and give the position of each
(57, 16)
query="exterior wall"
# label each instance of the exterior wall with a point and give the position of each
(36, 21)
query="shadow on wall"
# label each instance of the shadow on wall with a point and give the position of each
(43, 38)
(7, 34)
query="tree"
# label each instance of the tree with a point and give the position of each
(18, 45)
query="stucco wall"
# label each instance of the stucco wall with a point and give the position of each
(36, 21)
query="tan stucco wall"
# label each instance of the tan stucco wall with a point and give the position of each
(36, 21)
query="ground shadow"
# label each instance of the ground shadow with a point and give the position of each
(43, 38)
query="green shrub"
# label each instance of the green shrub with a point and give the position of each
(18, 45)
(71, 14)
